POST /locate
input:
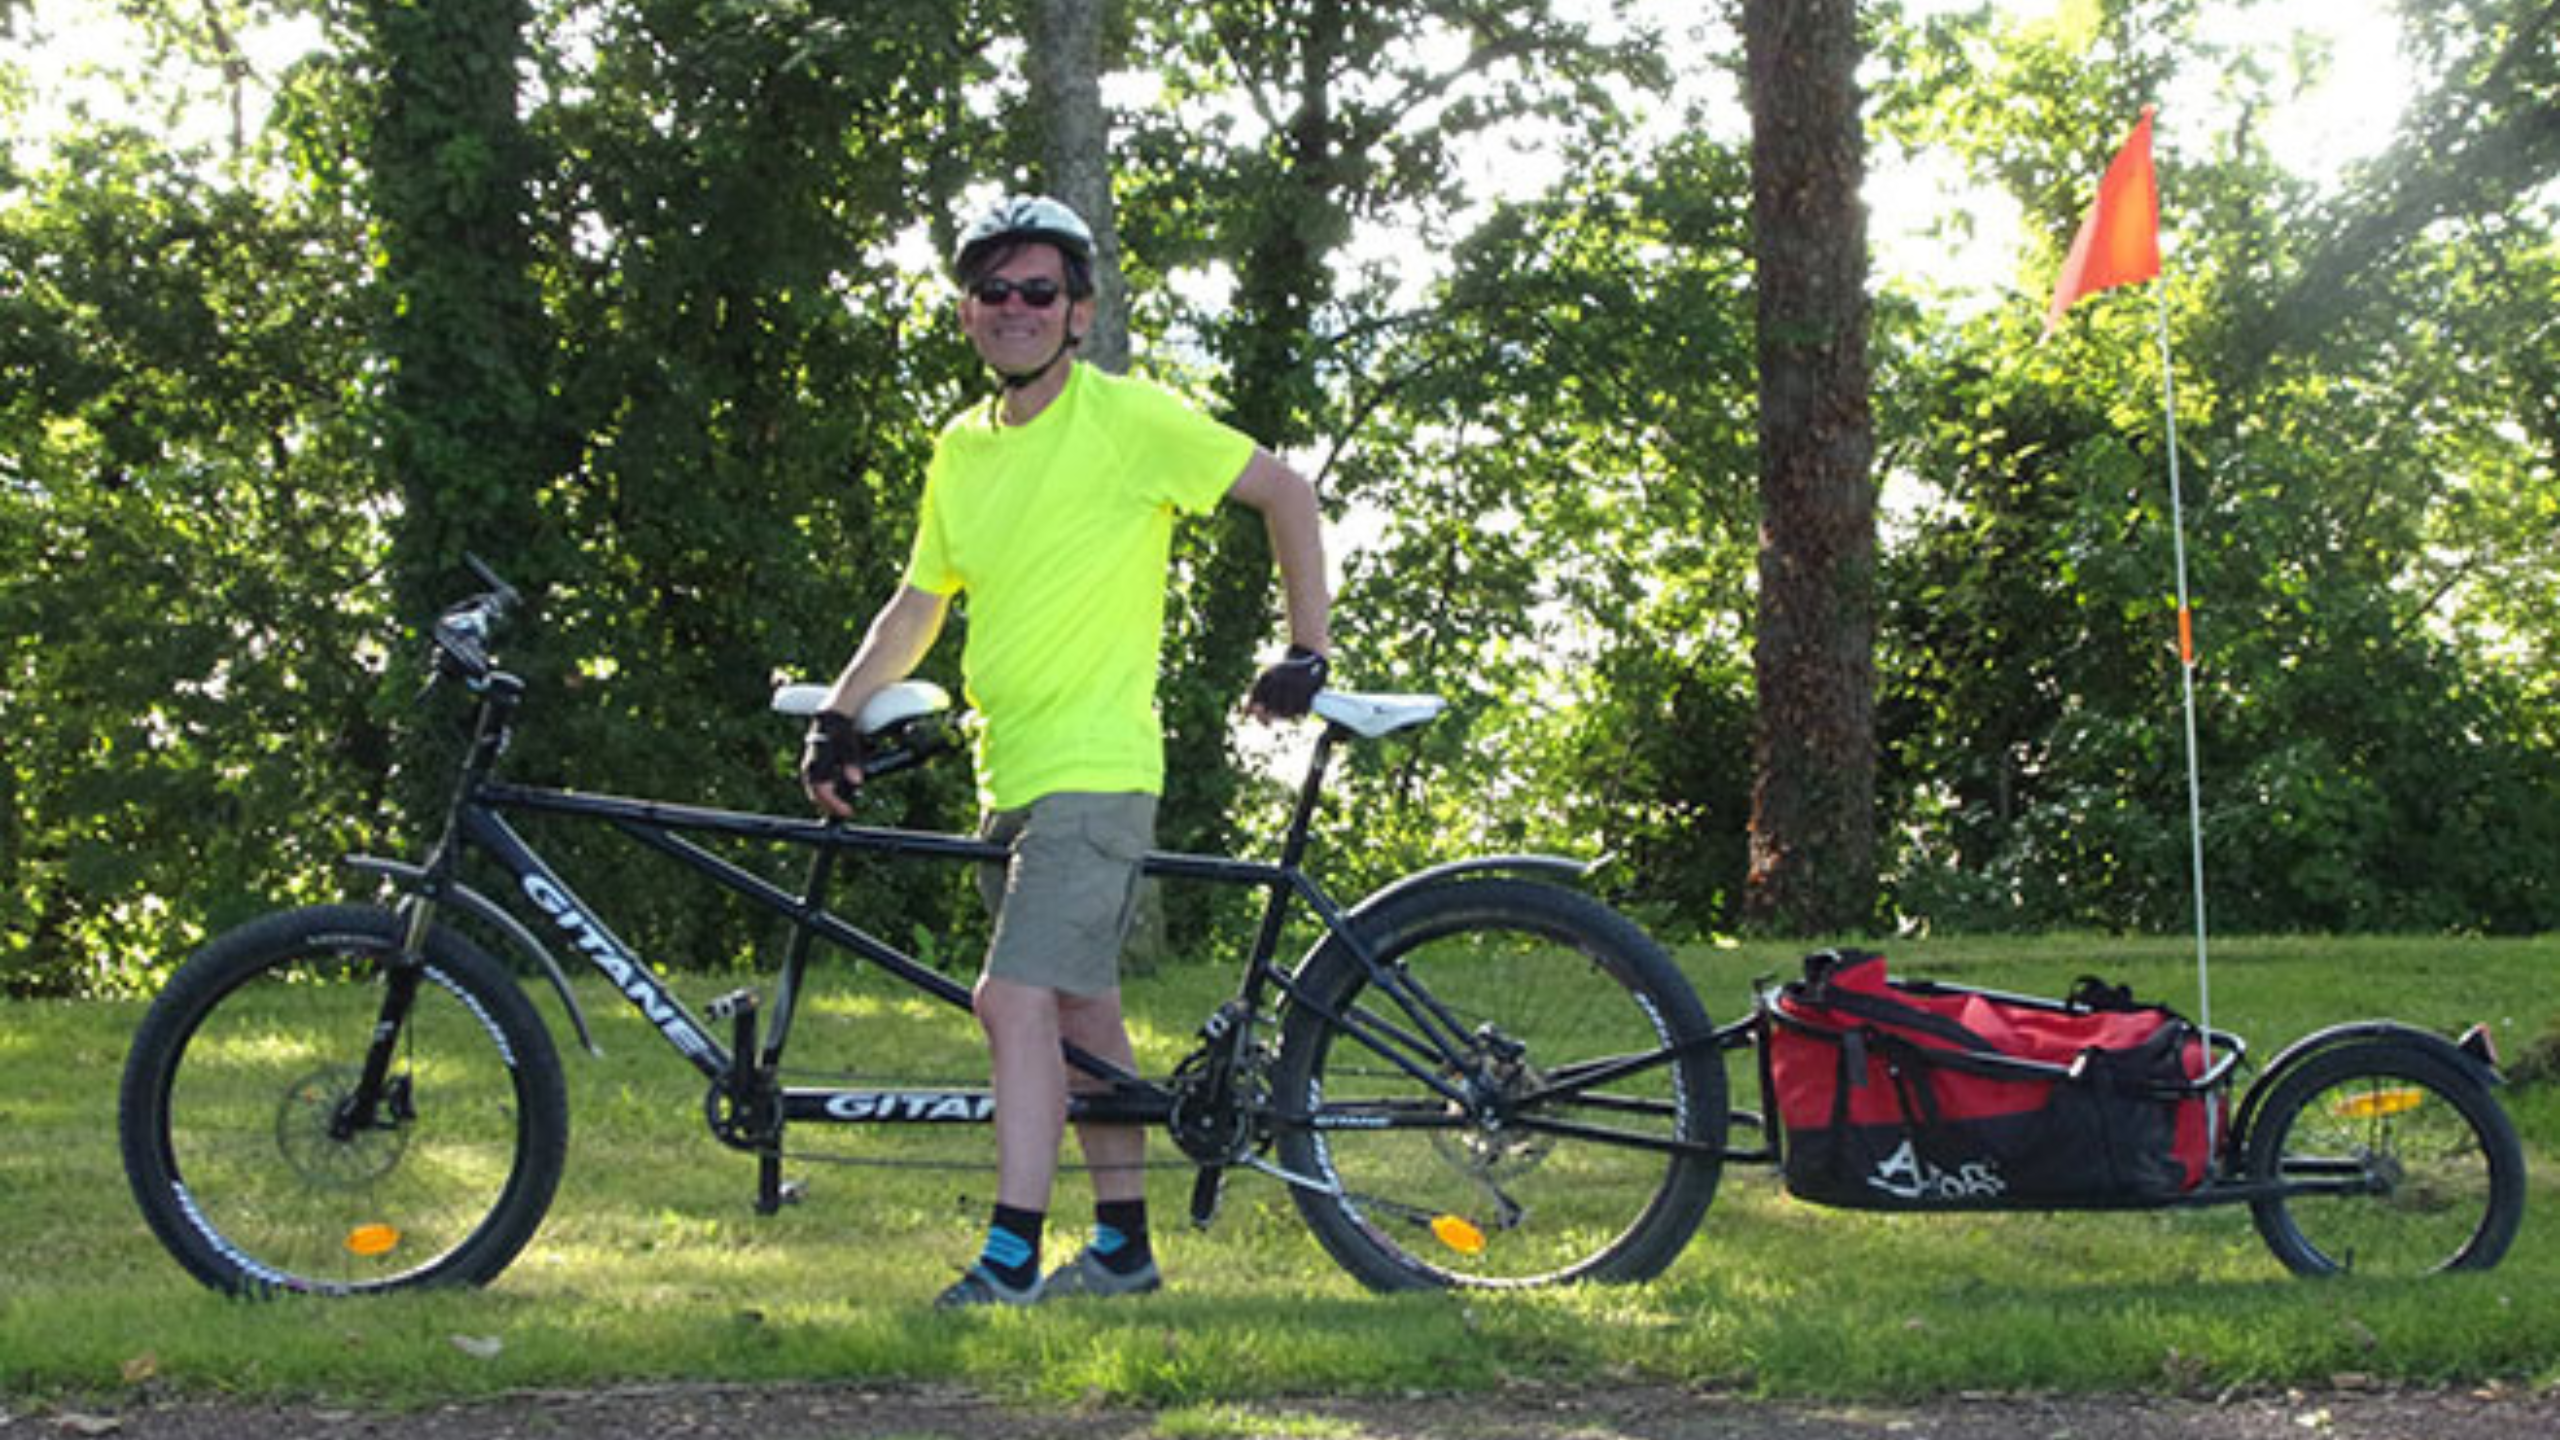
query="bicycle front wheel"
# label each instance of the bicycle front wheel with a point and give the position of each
(1566, 1123)
(264, 1163)
(2407, 1165)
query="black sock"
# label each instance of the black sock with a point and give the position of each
(1012, 1254)
(1120, 1235)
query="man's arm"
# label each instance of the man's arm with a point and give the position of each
(1296, 526)
(897, 641)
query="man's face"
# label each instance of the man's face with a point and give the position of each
(1011, 336)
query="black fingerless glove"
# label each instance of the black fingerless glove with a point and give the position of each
(832, 745)
(1288, 688)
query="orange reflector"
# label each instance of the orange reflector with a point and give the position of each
(372, 1240)
(2381, 1104)
(1457, 1234)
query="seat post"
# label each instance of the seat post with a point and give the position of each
(1293, 844)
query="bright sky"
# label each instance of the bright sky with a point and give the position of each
(2346, 116)
(2349, 115)
(81, 40)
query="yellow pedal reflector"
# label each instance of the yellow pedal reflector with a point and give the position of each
(1458, 1234)
(372, 1240)
(2382, 1104)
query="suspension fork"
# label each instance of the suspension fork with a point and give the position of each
(402, 974)
(362, 1109)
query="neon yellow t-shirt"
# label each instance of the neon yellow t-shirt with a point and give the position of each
(1060, 532)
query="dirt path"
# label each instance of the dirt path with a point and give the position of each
(851, 1412)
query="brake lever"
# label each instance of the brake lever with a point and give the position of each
(462, 634)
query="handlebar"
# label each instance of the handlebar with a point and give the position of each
(462, 633)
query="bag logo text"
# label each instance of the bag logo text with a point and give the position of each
(1905, 1176)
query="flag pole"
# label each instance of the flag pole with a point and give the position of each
(2187, 677)
(2119, 244)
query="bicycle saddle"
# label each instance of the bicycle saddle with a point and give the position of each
(1371, 716)
(893, 705)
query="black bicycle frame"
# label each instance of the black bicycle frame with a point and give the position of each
(753, 1108)
(664, 828)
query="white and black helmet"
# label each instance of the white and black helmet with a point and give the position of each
(1020, 218)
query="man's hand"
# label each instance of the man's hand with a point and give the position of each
(831, 762)
(1284, 691)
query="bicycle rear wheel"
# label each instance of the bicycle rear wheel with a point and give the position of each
(1576, 1135)
(2426, 1168)
(257, 1172)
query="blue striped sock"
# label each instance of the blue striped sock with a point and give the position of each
(1120, 1236)
(1012, 1252)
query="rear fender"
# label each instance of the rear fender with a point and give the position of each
(1529, 866)
(1536, 867)
(2458, 1057)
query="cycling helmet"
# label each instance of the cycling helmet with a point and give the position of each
(1019, 218)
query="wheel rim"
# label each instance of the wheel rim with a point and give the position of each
(1479, 1192)
(278, 1189)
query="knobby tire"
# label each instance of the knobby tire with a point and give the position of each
(231, 1113)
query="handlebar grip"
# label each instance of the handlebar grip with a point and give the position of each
(462, 643)
(889, 762)
(502, 597)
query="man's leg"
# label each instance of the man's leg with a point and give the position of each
(1062, 907)
(1120, 1258)
(1022, 1025)
(1115, 1153)
(1029, 1081)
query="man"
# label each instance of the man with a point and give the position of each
(1051, 506)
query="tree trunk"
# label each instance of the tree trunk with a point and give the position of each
(1813, 867)
(1230, 604)
(1065, 71)
(466, 346)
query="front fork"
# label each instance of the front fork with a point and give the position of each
(363, 1107)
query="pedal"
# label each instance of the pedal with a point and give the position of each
(1207, 1188)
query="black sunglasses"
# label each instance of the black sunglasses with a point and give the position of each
(1038, 294)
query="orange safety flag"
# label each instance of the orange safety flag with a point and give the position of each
(2119, 243)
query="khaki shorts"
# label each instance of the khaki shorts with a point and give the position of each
(1064, 904)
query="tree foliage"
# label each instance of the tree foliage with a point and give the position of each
(1540, 497)
(1352, 113)
(2370, 754)
(639, 299)
(192, 609)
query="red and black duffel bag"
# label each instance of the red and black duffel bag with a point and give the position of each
(1909, 1095)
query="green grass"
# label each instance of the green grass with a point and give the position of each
(652, 1264)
